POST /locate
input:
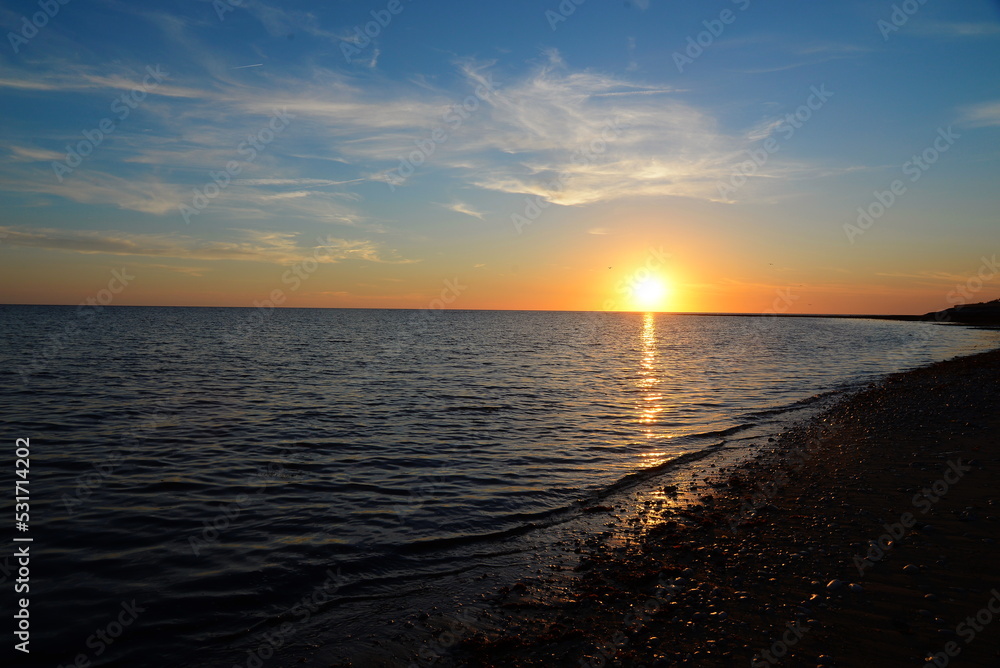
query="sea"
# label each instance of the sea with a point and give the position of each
(240, 486)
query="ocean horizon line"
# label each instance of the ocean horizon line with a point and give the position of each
(880, 316)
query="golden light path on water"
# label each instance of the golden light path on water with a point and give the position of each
(653, 405)
(650, 383)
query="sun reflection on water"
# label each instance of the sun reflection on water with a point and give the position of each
(650, 404)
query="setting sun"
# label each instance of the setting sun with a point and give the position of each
(650, 293)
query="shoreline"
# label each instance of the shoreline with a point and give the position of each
(778, 547)
(545, 555)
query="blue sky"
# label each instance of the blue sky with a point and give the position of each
(589, 117)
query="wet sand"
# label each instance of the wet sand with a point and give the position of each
(863, 537)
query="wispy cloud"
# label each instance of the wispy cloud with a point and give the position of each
(139, 193)
(983, 114)
(245, 245)
(606, 136)
(281, 22)
(299, 183)
(583, 137)
(633, 65)
(461, 207)
(960, 29)
(66, 76)
(572, 137)
(787, 55)
(32, 154)
(180, 269)
(935, 278)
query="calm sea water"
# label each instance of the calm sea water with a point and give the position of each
(214, 465)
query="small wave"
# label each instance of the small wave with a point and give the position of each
(642, 475)
(434, 544)
(728, 431)
(528, 522)
(796, 405)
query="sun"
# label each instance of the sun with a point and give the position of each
(650, 293)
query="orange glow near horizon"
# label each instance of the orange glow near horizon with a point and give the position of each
(597, 276)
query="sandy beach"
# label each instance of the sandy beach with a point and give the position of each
(864, 536)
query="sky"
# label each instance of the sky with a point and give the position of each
(720, 156)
